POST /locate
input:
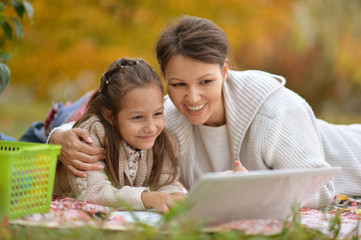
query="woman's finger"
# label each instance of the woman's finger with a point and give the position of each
(238, 167)
(83, 134)
(90, 153)
(84, 147)
(75, 171)
(82, 166)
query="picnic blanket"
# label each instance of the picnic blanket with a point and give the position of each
(69, 212)
(349, 210)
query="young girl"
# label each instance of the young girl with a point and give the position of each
(125, 116)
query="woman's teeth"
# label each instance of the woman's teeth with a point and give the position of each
(196, 108)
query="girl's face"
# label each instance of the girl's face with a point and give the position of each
(195, 88)
(141, 120)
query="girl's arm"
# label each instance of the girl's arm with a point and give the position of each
(97, 187)
(174, 188)
(169, 193)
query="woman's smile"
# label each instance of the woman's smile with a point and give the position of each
(195, 108)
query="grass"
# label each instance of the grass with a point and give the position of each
(17, 117)
(293, 230)
(18, 111)
(172, 230)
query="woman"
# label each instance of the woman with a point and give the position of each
(218, 116)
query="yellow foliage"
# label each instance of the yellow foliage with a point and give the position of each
(71, 43)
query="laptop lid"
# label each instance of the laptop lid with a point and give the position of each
(265, 194)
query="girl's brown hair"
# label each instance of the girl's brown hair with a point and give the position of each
(192, 37)
(123, 76)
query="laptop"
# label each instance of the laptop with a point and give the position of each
(266, 194)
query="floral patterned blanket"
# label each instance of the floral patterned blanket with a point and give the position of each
(69, 212)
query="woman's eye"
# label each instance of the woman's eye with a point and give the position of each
(206, 81)
(177, 84)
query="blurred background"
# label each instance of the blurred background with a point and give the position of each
(69, 44)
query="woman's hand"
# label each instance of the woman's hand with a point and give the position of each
(76, 155)
(237, 167)
(160, 201)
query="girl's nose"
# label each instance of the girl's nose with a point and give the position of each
(150, 126)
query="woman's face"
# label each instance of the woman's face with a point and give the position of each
(195, 88)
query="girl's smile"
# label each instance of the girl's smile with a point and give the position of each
(148, 137)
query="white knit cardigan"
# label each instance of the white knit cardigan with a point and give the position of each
(271, 127)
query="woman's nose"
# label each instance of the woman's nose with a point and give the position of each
(193, 96)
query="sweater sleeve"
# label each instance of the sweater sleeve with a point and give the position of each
(98, 188)
(63, 127)
(173, 187)
(293, 141)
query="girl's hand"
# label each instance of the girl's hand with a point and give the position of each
(160, 201)
(237, 167)
(179, 195)
(76, 155)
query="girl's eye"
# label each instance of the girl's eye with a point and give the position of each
(158, 114)
(137, 117)
(206, 81)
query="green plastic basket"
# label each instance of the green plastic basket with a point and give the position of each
(27, 172)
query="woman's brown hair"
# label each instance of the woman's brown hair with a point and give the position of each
(123, 76)
(193, 37)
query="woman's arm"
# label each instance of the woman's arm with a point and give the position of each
(292, 140)
(237, 167)
(76, 153)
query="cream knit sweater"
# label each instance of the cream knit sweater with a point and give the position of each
(98, 188)
(271, 127)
